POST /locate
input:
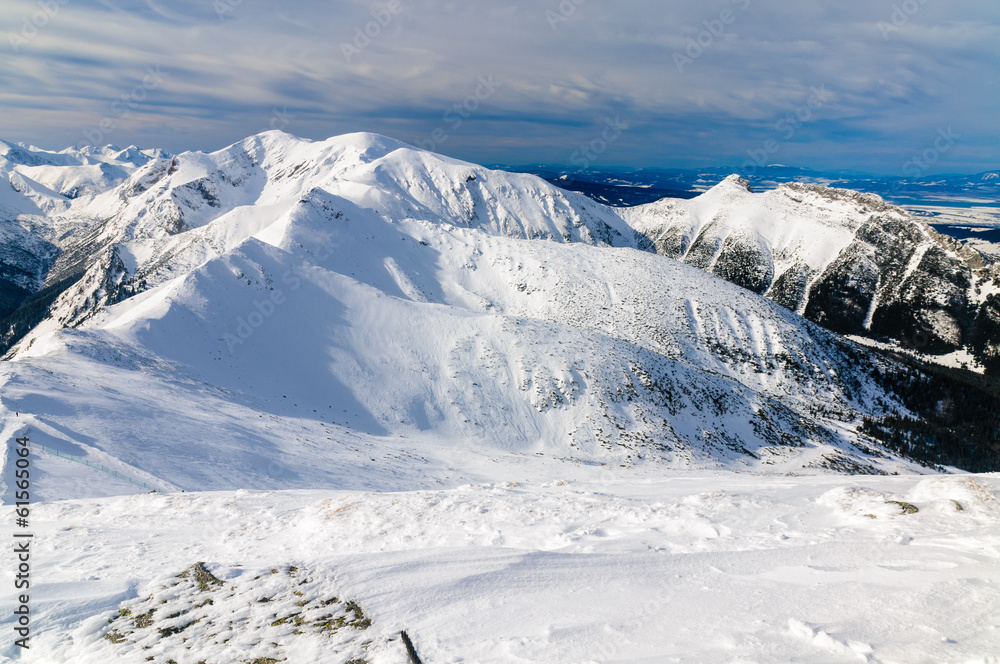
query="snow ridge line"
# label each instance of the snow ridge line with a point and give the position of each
(95, 466)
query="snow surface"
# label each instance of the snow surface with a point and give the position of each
(693, 567)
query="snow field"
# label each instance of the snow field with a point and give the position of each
(697, 567)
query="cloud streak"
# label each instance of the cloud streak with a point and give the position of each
(227, 72)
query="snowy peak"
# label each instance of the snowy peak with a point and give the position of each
(861, 202)
(111, 155)
(279, 146)
(374, 171)
(173, 214)
(738, 181)
(49, 183)
(847, 260)
(274, 170)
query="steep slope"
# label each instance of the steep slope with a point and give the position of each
(40, 190)
(24, 260)
(846, 260)
(343, 329)
(174, 214)
(282, 301)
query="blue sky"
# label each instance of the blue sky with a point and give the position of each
(869, 85)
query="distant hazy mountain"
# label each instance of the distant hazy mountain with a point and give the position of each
(626, 187)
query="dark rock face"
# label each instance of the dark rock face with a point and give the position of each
(841, 299)
(743, 260)
(30, 312)
(895, 279)
(24, 261)
(746, 262)
(11, 297)
(18, 267)
(924, 306)
(789, 289)
(930, 309)
(704, 247)
(984, 338)
(673, 243)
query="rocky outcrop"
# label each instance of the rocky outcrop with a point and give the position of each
(846, 260)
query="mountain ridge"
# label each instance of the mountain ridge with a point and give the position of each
(847, 260)
(427, 299)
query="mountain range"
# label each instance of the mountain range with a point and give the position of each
(295, 310)
(636, 186)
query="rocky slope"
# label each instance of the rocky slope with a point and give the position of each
(846, 260)
(280, 293)
(38, 197)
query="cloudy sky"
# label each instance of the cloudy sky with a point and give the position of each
(867, 85)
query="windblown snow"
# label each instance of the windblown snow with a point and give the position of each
(584, 568)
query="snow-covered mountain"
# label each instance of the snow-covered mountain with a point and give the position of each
(44, 182)
(41, 186)
(846, 260)
(175, 213)
(287, 304)
(480, 385)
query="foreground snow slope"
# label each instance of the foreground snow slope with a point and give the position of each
(695, 568)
